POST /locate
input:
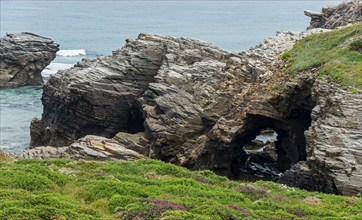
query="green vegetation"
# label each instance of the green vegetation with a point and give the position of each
(151, 189)
(337, 53)
(356, 45)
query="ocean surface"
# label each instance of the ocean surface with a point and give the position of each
(95, 28)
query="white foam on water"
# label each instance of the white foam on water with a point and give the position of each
(72, 53)
(271, 137)
(53, 68)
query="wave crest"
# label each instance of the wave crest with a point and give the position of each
(72, 53)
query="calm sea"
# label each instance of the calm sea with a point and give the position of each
(95, 28)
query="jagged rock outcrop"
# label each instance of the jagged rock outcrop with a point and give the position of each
(22, 58)
(347, 12)
(334, 144)
(149, 81)
(99, 96)
(160, 84)
(181, 92)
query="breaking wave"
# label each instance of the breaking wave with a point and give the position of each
(72, 53)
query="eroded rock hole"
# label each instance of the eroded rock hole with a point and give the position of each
(262, 155)
(269, 146)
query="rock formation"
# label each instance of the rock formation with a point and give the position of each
(197, 105)
(335, 16)
(98, 97)
(22, 58)
(193, 104)
(334, 144)
(149, 77)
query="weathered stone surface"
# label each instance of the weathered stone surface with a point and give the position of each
(89, 147)
(137, 142)
(98, 96)
(175, 88)
(22, 58)
(347, 12)
(273, 100)
(334, 143)
(146, 77)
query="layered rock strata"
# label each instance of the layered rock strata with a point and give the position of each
(150, 79)
(153, 79)
(334, 144)
(23, 56)
(148, 84)
(347, 12)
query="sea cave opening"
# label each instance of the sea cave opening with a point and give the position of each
(135, 119)
(268, 146)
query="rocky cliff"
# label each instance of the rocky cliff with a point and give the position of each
(190, 103)
(347, 12)
(334, 143)
(22, 58)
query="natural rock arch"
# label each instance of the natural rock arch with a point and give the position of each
(288, 113)
(290, 144)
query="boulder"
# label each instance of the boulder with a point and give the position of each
(23, 56)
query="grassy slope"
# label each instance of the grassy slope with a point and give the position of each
(67, 189)
(335, 51)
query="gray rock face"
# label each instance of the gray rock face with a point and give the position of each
(271, 100)
(162, 84)
(22, 58)
(99, 96)
(334, 143)
(148, 83)
(347, 12)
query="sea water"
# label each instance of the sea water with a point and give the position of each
(96, 28)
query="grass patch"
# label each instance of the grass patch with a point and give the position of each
(337, 53)
(151, 189)
(356, 45)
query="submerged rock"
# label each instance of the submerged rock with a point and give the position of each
(23, 56)
(347, 12)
